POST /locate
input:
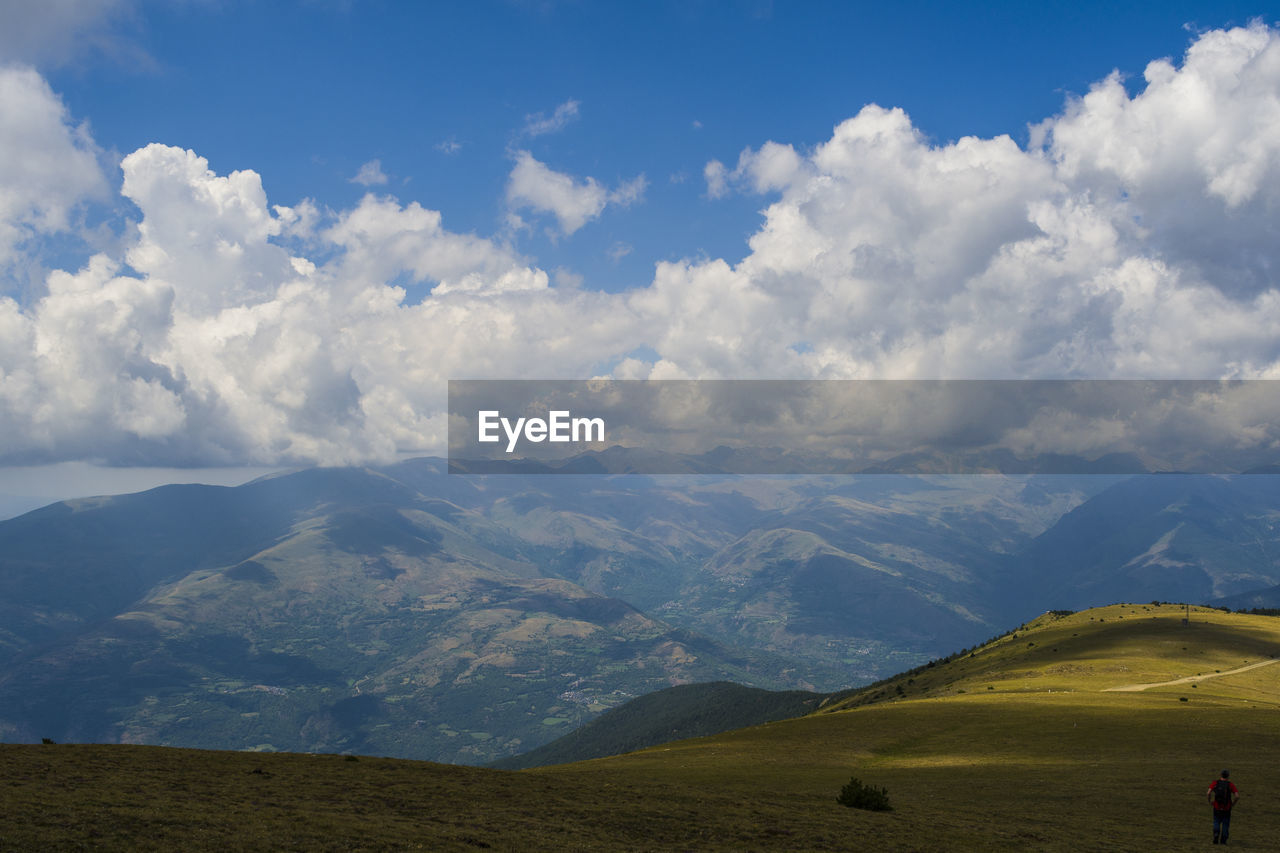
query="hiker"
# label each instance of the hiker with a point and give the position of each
(1223, 795)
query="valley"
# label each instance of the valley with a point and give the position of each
(410, 613)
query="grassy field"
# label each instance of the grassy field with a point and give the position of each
(1048, 759)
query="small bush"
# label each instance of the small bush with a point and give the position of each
(855, 795)
(48, 740)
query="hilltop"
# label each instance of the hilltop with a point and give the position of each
(1110, 649)
(1051, 758)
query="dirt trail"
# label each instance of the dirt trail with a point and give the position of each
(1138, 688)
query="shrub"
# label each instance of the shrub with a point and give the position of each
(855, 795)
(47, 740)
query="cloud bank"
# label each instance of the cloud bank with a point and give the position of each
(1136, 237)
(48, 165)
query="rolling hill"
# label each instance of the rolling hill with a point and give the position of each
(1053, 758)
(676, 713)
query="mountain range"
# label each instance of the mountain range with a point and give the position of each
(466, 618)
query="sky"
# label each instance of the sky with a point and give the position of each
(237, 236)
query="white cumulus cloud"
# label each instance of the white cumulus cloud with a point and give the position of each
(1136, 237)
(48, 165)
(574, 203)
(205, 233)
(773, 167)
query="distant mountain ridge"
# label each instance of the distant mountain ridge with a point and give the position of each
(323, 610)
(1262, 599)
(1171, 537)
(749, 461)
(405, 611)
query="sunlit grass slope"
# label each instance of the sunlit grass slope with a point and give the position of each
(1098, 650)
(1048, 759)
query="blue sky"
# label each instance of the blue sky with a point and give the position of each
(260, 234)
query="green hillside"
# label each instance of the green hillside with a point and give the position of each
(1053, 757)
(1093, 651)
(685, 711)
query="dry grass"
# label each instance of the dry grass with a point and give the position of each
(1017, 768)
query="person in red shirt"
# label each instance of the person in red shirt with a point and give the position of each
(1223, 795)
